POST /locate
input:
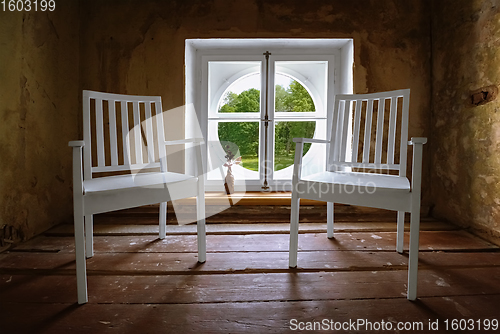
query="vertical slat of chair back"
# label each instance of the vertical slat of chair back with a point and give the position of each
(115, 149)
(149, 133)
(87, 149)
(404, 133)
(137, 133)
(380, 131)
(162, 150)
(356, 130)
(125, 132)
(99, 132)
(375, 124)
(392, 131)
(368, 132)
(344, 122)
(336, 135)
(113, 137)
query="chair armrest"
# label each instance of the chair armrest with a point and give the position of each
(310, 140)
(418, 147)
(417, 140)
(299, 148)
(77, 146)
(184, 141)
(76, 143)
(198, 142)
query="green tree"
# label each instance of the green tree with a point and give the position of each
(245, 135)
(280, 96)
(294, 99)
(299, 99)
(248, 101)
(230, 102)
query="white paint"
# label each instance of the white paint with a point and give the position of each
(339, 184)
(441, 282)
(109, 193)
(200, 51)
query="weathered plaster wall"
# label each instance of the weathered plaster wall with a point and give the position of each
(137, 47)
(38, 115)
(466, 140)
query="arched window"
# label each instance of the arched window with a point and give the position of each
(253, 105)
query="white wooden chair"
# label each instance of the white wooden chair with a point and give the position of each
(346, 179)
(118, 148)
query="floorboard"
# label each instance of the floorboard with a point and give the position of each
(249, 287)
(120, 229)
(238, 262)
(259, 317)
(381, 241)
(138, 283)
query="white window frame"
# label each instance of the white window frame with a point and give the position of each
(200, 51)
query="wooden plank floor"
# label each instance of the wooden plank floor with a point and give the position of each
(140, 284)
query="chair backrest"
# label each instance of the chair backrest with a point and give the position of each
(367, 129)
(122, 133)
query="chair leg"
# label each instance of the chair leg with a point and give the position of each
(163, 220)
(294, 231)
(329, 220)
(400, 241)
(89, 236)
(413, 254)
(200, 226)
(81, 270)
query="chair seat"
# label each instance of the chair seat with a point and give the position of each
(140, 180)
(380, 182)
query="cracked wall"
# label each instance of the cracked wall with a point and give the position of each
(38, 116)
(466, 139)
(137, 47)
(141, 50)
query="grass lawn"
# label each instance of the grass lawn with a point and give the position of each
(283, 161)
(252, 162)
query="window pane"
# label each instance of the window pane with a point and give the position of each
(242, 96)
(284, 147)
(241, 139)
(291, 96)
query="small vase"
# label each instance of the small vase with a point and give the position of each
(229, 184)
